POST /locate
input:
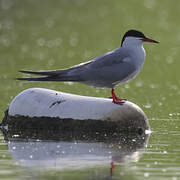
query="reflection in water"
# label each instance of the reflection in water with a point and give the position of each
(40, 149)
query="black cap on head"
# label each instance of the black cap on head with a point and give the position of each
(132, 33)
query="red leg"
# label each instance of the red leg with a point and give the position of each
(117, 100)
(111, 169)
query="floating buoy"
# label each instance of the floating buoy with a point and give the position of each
(44, 108)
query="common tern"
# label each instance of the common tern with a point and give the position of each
(105, 71)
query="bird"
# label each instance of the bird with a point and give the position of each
(106, 71)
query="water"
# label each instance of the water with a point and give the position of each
(48, 34)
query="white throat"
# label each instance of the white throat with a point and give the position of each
(132, 41)
(135, 46)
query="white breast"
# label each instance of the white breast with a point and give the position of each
(137, 54)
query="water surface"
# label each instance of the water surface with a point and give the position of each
(44, 34)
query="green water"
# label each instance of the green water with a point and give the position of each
(45, 35)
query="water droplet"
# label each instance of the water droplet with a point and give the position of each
(127, 86)
(24, 48)
(148, 105)
(163, 170)
(58, 42)
(41, 42)
(5, 41)
(15, 135)
(169, 59)
(146, 174)
(69, 83)
(153, 86)
(3, 155)
(174, 178)
(139, 83)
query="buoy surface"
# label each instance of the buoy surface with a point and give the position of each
(38, 103)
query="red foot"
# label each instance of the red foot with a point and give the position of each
(117, 100)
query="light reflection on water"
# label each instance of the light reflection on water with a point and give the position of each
(68, 155)
(41, 151)
(133, 157)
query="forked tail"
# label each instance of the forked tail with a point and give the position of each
(57, 75)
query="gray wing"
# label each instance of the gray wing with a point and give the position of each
(109, 59)
(109, 68)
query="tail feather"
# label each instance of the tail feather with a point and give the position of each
(56, 75)
(36, 79)
(55, 72)
(47, 78)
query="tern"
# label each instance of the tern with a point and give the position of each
(105, 71)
